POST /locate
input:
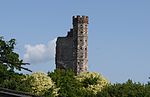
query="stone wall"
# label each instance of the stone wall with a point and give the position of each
(72, 50)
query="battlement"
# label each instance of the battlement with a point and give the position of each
(80, 19)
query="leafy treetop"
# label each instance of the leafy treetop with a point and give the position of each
(8, 57)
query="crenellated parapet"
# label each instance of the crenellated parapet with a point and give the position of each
(80, 19)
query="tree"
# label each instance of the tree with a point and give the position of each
(41, 84)
(92, 82)
(8, 57)
(9, 61)
(68, 85)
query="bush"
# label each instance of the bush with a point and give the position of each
(41, 83)
(92, 82)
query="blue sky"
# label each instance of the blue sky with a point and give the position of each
(119, 33)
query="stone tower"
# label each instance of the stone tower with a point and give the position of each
(72, 50)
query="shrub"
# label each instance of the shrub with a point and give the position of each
(92, 82)
(41, 83)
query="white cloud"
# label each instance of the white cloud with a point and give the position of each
(40, 53)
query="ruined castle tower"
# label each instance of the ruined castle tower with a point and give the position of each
(72, 50)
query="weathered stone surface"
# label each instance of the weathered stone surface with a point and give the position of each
(72, 50)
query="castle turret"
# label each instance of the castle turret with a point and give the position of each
(80, 42)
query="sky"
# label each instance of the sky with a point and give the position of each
(119, 34)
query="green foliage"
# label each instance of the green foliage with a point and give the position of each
(8, 57)
(11, 81)
(92, 82)
(128, 89)
(84, 85)
(68, 84)
(9, 60)
(41, 84)
(3, 73)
